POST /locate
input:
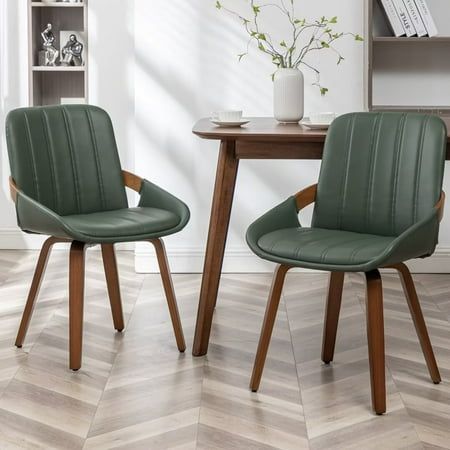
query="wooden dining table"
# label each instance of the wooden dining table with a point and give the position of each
(262, 138)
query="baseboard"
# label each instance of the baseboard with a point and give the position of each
(190, 259)
(242, 260)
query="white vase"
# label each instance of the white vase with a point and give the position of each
(288, 95)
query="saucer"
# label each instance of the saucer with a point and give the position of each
(237, 123)
(314, 126)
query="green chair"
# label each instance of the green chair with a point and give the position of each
(378, 203)
(67, 183)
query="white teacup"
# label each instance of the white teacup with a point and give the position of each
(227, 116)
(322, 118)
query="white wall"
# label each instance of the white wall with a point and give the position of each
(175, 61)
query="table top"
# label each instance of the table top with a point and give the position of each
(264, 129)
(259, 128)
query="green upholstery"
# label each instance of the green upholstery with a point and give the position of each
(65, 162)
(380, 180)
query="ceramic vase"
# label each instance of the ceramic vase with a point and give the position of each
(288, 95)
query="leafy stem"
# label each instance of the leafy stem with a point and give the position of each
(305, 37)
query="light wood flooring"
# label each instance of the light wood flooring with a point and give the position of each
(135, 391)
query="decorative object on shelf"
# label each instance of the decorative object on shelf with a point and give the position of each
(72, 52)
(305, 37)
(49, 54)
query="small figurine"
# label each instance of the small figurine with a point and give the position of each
(50, 52)
(72, 52)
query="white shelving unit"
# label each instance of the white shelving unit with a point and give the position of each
(411, 74)
(47, 85)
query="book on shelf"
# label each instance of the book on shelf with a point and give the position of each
(426, 17)
(415, 17)
(393, 18)
(405, 18)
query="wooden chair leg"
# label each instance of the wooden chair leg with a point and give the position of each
(76, 300)
(170, 292)
(267, 327)
(332, 310)
(34, 289)
(419, 322)
(375, 338)
(112, 281)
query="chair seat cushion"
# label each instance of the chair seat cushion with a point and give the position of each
(324, 247)
(122, 224)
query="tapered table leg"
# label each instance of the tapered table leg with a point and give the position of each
(218, 228)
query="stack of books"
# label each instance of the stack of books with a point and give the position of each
(409, 18)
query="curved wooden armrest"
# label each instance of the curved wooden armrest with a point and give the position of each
(13, 189)
(306, 196)
(440, 206)
(132, 181)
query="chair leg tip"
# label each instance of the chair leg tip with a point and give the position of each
(74, 370)
(437, 382)
(18, 346)
(119, 330)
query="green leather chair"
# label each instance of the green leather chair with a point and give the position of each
(378, 203)
(67, 183)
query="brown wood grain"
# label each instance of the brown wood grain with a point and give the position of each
(76, 302)
(170, 292)
(419, 322)
(113, 285)
(35, 286)
(332, 309)
(375, 340)
(306, 196)
(267, 327)
(132, 181)
(265, 138)
(227, 168)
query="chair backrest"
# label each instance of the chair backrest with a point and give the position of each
(381, 172)
(65, 157)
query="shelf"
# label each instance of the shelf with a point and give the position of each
(58, 68)
(439, 110)
(406, 40)
(57, 5)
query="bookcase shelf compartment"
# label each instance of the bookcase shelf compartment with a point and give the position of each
(49, 84)
(415, 79)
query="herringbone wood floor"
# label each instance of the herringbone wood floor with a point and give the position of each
(135, 391)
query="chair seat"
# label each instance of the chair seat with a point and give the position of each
(122, 224)
(314, 247)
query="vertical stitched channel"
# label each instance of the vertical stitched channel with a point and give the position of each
(375, 140)
(97, 158)
(343, 189)
(419, 169)
(397, 155)
(32, 155)
(72, 159)
(49, 147)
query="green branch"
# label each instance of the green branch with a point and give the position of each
(305, 37)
